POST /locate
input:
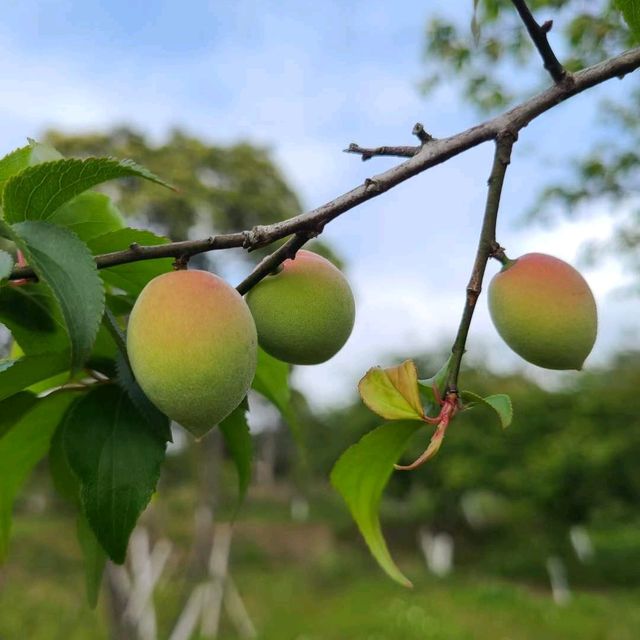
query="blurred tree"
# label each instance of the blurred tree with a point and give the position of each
(480, 60)
(220, 189)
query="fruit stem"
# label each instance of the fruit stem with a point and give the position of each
(497, 253)
(486, 248)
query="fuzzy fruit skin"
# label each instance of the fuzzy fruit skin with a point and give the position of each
(192, 345)
(545, 311)
(304, 313)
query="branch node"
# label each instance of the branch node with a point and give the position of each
(546, 26)
(373, 184)
(181, 262)
(422, 135)
(135, 247)
(256, 237)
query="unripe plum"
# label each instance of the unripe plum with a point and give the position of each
(305, 312)
(544, 310)
(192, 345)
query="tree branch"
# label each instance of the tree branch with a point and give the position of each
(486, 245)
(538, 34)
(429, 155)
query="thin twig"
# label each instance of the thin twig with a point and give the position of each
(538, 34)
(430, 155)
(272, 261)
(486, 245)
(367, 154)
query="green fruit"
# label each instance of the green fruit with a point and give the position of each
(304, 313)
(544, 310)
(192, 345)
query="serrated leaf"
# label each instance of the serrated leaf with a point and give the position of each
(22, 447)
(157, 420)
(272, 381)
(499, 403)
(95, 559)
(16, 375)
(37, 192)
(19, 159)
(237, 439)
(133, 276)
(64, 262)
(88, 215)
(6, 265)
(630, 10)
(360, 476)
(393, 393)
(117, 458)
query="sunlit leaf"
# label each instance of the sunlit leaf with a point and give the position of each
(88, 215)
(393, 393)
(360, 476)
(37, 192)
(27, 156)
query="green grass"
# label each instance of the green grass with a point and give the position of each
(339, 596)
(295, 605)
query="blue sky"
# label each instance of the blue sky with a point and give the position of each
(306, 79)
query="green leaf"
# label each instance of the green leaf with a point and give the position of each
(88, 215)
(157, 420)
(65, 482)
(18, 160)
(393, 393)
(36, 192)
(68, 486)
(630, 10)
(63, 261)
(6, 265)
(33, 318)
(272, 381)
(16, 375)
(11, 409)
(360, 476)
(133, 276)
(13, 163)
(24, 445)
(117, 458)
(499, 403)
(437, 381)
(237, 439)
(95, 559)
